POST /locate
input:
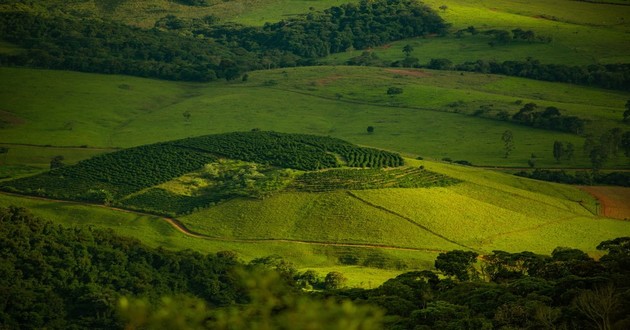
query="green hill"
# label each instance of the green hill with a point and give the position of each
(109, 177)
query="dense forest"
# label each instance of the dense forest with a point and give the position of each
(203, 49)
(81, 277)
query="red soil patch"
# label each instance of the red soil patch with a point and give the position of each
(386, 46)
(411, 73)
(327, 80)
(10, 119)
(614, 201)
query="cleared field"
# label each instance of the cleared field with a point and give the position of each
(614, 201)
(117, 111)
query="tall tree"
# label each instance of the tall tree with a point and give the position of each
(508, 142)
(408, 49)
(569, 149)
(625, 143)
(558, 150)
(457, 263)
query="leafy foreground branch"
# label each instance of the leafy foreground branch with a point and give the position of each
(74, 278)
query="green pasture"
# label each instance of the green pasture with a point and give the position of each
(21, 160)
(76, 109)
(488, 211)
(582, 33)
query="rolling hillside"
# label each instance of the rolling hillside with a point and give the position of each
(158, 160)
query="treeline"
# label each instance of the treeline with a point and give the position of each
(75, 278)
(550, 118)
(72, 278)
(579, 177)
(567, 290)
(337, 29)
(91, 45)
(610, 76)
(84, 278)
(199, 50)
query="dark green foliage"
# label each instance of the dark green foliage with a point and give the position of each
(457, 263)
(366, 59)
(160, 201)
(336, 29)
(210, 51)
(580, 177)
(118, 173)
(298, 151)
(95, 45)
(370, 179)
(193, 2)
(440, 64)
(558, 150)
(550, 118)
(394, 90)
(62, 278)
(110, 177)
(612, 76)
(521, 291)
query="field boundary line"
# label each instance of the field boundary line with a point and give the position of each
(179, 226)
(411, 221)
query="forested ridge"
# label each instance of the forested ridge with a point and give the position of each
(80, 277)
(201, 50)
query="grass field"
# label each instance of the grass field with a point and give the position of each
(118, 111)
(488, 211)
(498, 211)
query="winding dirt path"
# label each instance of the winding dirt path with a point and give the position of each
(179, 226)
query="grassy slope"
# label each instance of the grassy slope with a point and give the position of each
(498, 211)
(117, 111)
(155, 232)
(582, 32)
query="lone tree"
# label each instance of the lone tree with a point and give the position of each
(508, 142)
(443, 7)
(370, 129)
(394, 90)
(4, 151)
(334, 280)
(558, 150)
(57, 162)
(186, 115)
(408, 49)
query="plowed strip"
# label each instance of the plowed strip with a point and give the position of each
(614, 202)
